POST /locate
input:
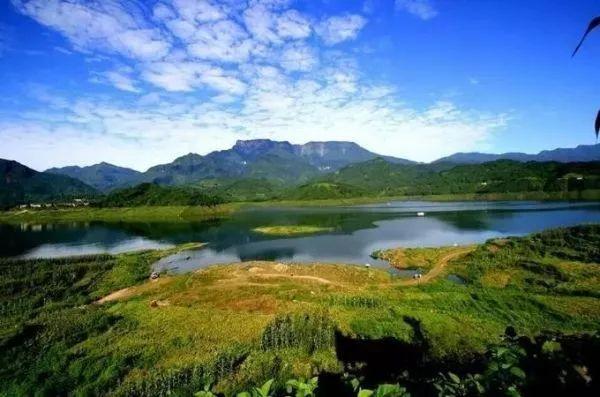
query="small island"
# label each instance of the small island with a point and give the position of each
(291, 230)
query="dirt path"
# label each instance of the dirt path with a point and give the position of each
(438, 268)
(120, 294)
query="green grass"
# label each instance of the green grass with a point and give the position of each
(291, 230)
(239, 325)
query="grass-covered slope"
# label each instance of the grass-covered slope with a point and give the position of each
(20, 184)
(232, 327)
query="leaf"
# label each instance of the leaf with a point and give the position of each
(453, 377)
(243, 394)
(593, 24)
(518, 372)
(365, 393)
(266, 388)
(597, 124)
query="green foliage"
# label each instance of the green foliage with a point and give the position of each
(302, 388)
(385, 390)
(262, 391)
(148, 194)
(451, 385)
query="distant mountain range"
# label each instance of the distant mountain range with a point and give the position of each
(257, 159)
(21, 184)
(254, 169)
(581, 153)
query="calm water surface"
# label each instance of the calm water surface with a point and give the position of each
(357, 232)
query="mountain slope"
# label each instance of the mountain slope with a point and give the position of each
(379, 177)
(20, 184)
(103, 176)
(581, 153)
(262, 159)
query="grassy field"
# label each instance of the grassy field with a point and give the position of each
(291, 230)
(238, 325)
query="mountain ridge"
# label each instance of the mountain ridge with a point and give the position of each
(20, 184)
(580, 153)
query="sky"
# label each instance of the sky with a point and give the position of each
(139, 83)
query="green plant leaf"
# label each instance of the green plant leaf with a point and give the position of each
(365, 393)
(518, 372)
(454, 377)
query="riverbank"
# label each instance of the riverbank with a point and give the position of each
(237, 325)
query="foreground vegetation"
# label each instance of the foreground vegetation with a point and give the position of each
(231, 328)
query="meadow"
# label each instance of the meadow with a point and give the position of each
(233, 327)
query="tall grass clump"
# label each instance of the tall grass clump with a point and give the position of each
(311, 332)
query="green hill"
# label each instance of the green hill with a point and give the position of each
(149, 194)
(380, 177)
(20, 184)
(103, 176)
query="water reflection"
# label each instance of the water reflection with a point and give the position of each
(357, 232)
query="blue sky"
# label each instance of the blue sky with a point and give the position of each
(137, 83)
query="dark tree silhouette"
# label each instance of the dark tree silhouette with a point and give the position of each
(593, 25)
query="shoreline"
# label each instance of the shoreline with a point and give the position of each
(199, 213)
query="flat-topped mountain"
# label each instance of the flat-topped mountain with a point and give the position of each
(263, 158)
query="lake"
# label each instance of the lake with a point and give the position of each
(357, 231)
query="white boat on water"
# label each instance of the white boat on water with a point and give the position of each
(420, 214)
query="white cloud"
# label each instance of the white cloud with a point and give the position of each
(92, 24)
(337, 29)
(187, 76)
(223, 41)
(298, 57)
(199, 10)
(121, 79)
(260, 22)
(423, 9)
(221, 71)
(292, 24)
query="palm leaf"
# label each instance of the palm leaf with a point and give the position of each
(597, 125)
(594, 24)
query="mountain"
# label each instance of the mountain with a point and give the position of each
(581, 153)
(334, 155)
(262, 159)
(103, 176)
(379, 177)
(20, 184)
